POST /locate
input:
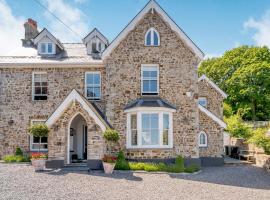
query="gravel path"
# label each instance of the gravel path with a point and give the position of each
(228, 182)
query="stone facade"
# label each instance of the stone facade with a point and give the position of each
(177, 75)
(121, 84)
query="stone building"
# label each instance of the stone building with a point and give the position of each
(144, 84)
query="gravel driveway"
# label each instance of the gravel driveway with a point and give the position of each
(19, 181)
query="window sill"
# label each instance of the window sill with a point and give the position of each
(149, 147)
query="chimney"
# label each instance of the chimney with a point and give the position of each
(31, 32)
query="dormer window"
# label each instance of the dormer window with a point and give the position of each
(152, 38)
(46, 48)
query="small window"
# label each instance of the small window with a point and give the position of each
(202, 139)
(149, 80)
(93, 85)
(46, 48)
(38, 143)
(43, 48)
(202, 101)
(152, 37)
(40, 86)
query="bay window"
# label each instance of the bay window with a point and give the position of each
(149, 129)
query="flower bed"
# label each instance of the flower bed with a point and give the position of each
(178, 167)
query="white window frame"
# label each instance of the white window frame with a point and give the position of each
(139, 112)
(149, 67)
(33, 86)
(206, 139)
(204, 99)
(151, 30)
(32, 138)
(85, 85)
(46, 48)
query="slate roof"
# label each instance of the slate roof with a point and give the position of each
(74, 53)
(149, 102)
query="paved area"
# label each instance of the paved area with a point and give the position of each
(228, 182)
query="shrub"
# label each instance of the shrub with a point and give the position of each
(260, 139)
(18, 152)
(192, 168)
(14, 158)
(121, 163)
(152, 167)
(111, 135)
(136, 165)
(39, 130)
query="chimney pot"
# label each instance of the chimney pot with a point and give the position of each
(30, 27)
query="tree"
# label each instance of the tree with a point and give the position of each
(243, 73)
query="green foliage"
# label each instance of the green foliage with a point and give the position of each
(227, 110)
(121, 163)
(16, 158)
(111, 135)
(237, 128)
(18, 152)
(260, 139)
(39, 130)
(178, 167)
(243, 73)
(192, 168)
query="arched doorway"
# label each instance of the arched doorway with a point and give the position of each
(77, 140)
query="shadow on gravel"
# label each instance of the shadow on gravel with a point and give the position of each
(61, 172)
(247, 176)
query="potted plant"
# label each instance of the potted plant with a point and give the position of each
(111, 136)
(38, 160)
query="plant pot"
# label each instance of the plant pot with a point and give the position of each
(39, 164)
(108, 167)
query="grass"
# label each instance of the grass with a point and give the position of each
(178, 167)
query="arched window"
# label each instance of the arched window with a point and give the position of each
(152, 37)
(202, 139)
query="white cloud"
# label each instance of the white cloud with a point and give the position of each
(211, 55)
(71, 16)
(261, 27)
(80, 1)
(11, 30)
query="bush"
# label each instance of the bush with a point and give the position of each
(111, 135)
(121, 163)
(237, 128)
(136, 165)
(260, 139)
(18, 152)
(14, 158)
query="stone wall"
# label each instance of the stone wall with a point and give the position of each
(177, 75)
(214, 98)
(58, 140)
(263, 160)
(214, 137)
(16, 100)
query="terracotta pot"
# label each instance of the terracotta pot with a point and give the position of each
(108, 167)
(39, 164)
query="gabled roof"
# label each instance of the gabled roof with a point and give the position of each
(149, 102)
(91, 109)
(204, 77)
(212, 116)
(153, 5)
(95, 32)
(46, 33)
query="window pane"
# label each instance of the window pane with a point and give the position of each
(93, 92)
(44, 140)
(148, 38)
(94, 47)
(155, 38)
(202, 102)
(202, 139)
(89, 79)
(37, 90)
(145, 121)
(146, 74)
(146, 137)
(166, 137)
(146, 86)
(37, 84)
(153, 86)
(49, 47)
(44, 90)
(134, 137)
(153, 73)
(154, 137)
(154, 121)
(43, 48)
(133, 122)
(165, 121)
(96, 79)
(37, 77)
(36, 139)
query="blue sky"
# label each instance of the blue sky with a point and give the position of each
(214, 25)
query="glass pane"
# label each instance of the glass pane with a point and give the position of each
(165, 121)
(37, 77)
(146, 86)
(44, 140)
(153, 74)
(43, 48)
(37, 90)
(35, 146)
(148, 38)
(146, 137)
(49, 47)
(44, 90)
(145, 121)
(36, 139)
(93, 92)
(134, 137)
(37, 84)
(154, 121)
(155, 38)
(96, 78)
(146, 74)
(89, 78)
(202, 139)
(154, 137)
(94, 47)
(44, 84)
(165, 137)
(133, 121)
(152, 86)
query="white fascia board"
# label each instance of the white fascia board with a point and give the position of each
(204, 77)
(212, 116)
(97, 33)
(149, 109)
(74, 95)
(152, 5)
